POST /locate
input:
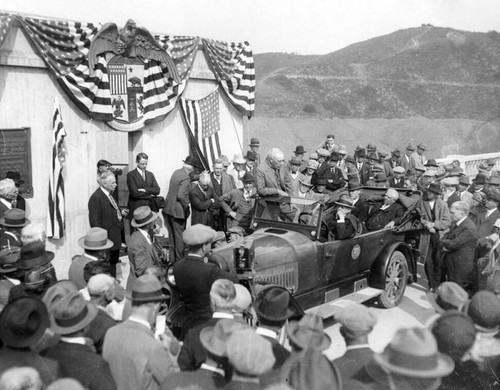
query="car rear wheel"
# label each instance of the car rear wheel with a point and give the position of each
(395, 280)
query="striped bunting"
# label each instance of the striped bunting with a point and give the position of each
(202, 117)
(64, 46)
(56, 215)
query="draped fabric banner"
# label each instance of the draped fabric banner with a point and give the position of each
(56, 218)
(64, 47)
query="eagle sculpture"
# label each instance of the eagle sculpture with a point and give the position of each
(130, 41)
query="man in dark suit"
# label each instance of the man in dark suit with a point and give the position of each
(239, 203)
(398, 178)
(105, 213)
(459, 245)
(360, 209)
(194, 276)
(142, 185)
(8, 194)
(392, 162)
(357, 321)
(222, 184)
(408, 160)
(332, 173)
(176, 210)
(72, 314)
(204, 203)
(386, 215)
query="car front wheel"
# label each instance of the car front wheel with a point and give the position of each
(395, 280)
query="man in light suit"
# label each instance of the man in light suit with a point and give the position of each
(136, 359)
(222, 184)
(239, 203)
(408, 160)
(436, 219)
(142, 185)
(141, 251)
(105, 213)
(459, 245)
(176, 210)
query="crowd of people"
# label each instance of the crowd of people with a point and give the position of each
(95, 331)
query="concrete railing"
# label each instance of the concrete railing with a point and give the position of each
(471, 163)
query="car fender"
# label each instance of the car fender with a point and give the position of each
(377, 271)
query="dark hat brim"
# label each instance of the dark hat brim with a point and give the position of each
(27, 264)
(344, 205)
(262, 313)
(89, 317)
(157, 298)
(323, 344)
(154, 217)
(3, 223)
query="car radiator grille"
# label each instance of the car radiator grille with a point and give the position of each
(284, 277)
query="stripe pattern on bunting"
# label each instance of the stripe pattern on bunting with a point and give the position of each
(57, 214)
(203, 120)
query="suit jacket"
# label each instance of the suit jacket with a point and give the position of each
(138, 198)
(268, 181)
(360, 210)
(353, 361)
(389, 165)
(459, 244)
(281, 354)
(140, 363)
(81, 363)
(3, 209)
(141, 255)
(98, 327)
(75, 271)
(202, 206)
(378, 218)
(177, 200)
(485, 224)
(102, 214)
(409, 163)
(227, 183)
(235, 201)
(399, 184)
(440, 216)
(206, 379)
(335, 178)
(47, 368)
(364, 173)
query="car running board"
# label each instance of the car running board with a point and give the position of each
(328, 309)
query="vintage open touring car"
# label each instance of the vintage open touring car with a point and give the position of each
(323, 276)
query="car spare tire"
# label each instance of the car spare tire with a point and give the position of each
(395, 280)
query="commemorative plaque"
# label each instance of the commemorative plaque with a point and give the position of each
(15, 155)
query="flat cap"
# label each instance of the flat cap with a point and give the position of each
(356, 318)
(198, 235)
(323, 152)
(399, 169)
(450, 181)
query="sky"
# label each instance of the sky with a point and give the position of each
(291, 26)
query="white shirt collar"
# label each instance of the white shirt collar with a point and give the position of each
(267, 332)
(461, 220)
(431, 203)
(73, 340)
(357, 346)
(105, 191)
(205, 366)
(90, 256)
(145, 234)
(219, 314)
(489, 212)
(6, 202)
(140, 321)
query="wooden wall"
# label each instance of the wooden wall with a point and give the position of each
(27, 92)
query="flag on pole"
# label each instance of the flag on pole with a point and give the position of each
(202, 117)
(56, 215)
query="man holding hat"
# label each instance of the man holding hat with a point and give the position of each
(176, 210)
(194, 276)
(95, 244)
(22, 324)
(238, 204)
(435, 218)
(141, 251)
(357, 321)
(136, 359)
(72, 315)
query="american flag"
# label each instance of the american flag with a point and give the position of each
(56, 216)
(202, 117)
(64, 46)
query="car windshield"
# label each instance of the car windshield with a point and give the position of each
(288, 209)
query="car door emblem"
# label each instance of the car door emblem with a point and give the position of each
(355, 252)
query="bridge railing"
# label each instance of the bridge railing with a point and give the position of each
(470, 163)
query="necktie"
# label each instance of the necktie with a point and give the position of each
(143, 174)
(118, 213)
(332, 170)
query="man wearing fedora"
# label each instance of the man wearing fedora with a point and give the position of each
(238, 170)
(176, 210)
(332, 173)
(141, 251)
(72, 315)
(250, 158)
(238, 204)
(22, 324)
(435, 218)
(194, 276)
(142, 185)
(408, 160)
(461, 192)
(356, 323)
(137, 360)
(411, 361)
(12, 223)
(299, 152)
(105, 213)
(95, 244)
(293, 167)
(342, 224)
(254, 147)
(392, 162)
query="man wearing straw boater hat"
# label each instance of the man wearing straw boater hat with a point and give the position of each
(136, 359)
(141, 251)
(95, 244)
(72, 315)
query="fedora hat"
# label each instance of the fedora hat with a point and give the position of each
(361, 152)
(23, 322)
(421, 145)
(214, 338)
(455, 333)
(463, 180)
(381, 177)
(142, 216)
(396, 153)
(8, 257)
(308, 333)
(484, 309)
(342, 149)
(273, 304)
(434, 188)
(55, 293)
(95, 239)
(350, 159)
(299, 149)
(413, 353)
(450, 296)
(479, 179)
(345, 202)
(305, 180)
(313, 156)
(373, 156)
(14, 218)
(147, 288)
(295, 161)
(238, 159)
(493, 195)
(72, 313)
(254, 142)
(371, 147)
(34, 255)
(193, 161)
(431, 163)
(251, 156)
(248, 178)
(410, 146)
(335, 156)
